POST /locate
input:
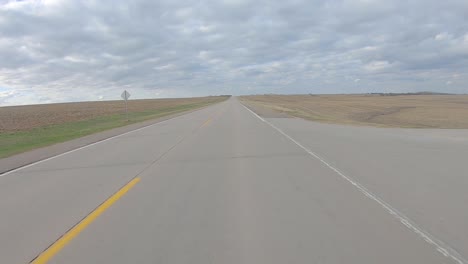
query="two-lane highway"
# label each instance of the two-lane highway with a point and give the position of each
(219, 185)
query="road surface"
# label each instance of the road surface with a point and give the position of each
(222, 185)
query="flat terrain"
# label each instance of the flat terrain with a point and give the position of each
(411, 111)
(24, 128)
(222, 185)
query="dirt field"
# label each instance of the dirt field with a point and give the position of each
(415, 111)
(20, 118)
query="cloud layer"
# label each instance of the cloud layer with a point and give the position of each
(54, 50)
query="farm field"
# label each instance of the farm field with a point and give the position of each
(409, 111)
(23, 128)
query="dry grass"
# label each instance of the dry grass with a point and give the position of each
(20, 118)
(416, 111)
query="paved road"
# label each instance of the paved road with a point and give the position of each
(222, 185)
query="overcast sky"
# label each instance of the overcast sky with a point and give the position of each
(56, 50)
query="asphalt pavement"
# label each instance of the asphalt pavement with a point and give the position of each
(223, 185)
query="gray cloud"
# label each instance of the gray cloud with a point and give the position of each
(53, 50)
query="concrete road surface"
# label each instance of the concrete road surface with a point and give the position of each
(222, 185)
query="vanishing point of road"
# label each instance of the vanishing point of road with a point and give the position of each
(224, 185)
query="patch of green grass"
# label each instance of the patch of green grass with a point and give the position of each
(21, 141)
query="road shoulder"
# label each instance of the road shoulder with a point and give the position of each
(22, 159)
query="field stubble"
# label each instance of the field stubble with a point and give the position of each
(410, 111)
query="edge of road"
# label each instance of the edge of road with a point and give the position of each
(264, 111)
(439, 245)
(28, 158)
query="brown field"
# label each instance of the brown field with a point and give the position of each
(412, 111)
(20, 118)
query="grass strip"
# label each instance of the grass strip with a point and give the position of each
(20, 141)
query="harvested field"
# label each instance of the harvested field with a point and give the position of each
(411, 111)
(26, 117)
(24, 128)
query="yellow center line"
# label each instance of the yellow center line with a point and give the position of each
(207, 122)
(53, 249)
(212, 117)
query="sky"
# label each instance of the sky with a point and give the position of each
(61, 51)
